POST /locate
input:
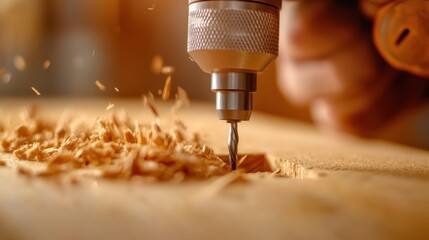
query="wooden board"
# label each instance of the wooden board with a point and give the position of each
(337, 188)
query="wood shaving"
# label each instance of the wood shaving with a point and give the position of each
(241, 161)
(114, 147)
(100, 85)
(93, 52)
(151, 8)
(7, 78)
(5, 75)
(182, 99)
(149, 102)
(19, 63)
(116, 89)
(110, 106)
(36, 91)
(180, 124)
(168, 70)
(167, 89)
(46, 64)
(276, 173)
(157, 63)
(2, 163)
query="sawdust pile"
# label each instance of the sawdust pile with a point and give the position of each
(113, 147)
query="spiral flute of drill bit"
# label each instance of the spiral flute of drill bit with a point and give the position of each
(233, 144)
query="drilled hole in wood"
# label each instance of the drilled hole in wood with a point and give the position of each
(402, 36)
(252, 163)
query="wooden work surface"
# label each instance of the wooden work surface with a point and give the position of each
(337, 188)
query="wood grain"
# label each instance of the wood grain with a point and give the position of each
(338, 188)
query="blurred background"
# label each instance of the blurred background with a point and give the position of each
(62, 47)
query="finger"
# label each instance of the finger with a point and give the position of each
(370, 7)
(411, 127)
(312, 28)
(348, 71)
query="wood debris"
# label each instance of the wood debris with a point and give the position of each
(241, 161)
(46, 64)
(114, 147)
(277, 173)
(151, 8)
(157, 64)
(116, 89)
(19, 63)
(100, 86)
(36, 91)
(168, 70)
(149, 102)
(167, 89)
(182, 99)
(2, 163)
(5, 75)
(110, 106)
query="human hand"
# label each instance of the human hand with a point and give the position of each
(328, 61)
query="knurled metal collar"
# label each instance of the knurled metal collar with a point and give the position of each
(274, 3)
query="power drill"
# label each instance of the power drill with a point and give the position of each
(233, 40)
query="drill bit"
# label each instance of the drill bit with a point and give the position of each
(233, 144)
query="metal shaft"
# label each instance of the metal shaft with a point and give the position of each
(233, 144)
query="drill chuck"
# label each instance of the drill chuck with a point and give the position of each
(233, 40)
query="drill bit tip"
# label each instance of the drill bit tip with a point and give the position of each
(233, 144)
